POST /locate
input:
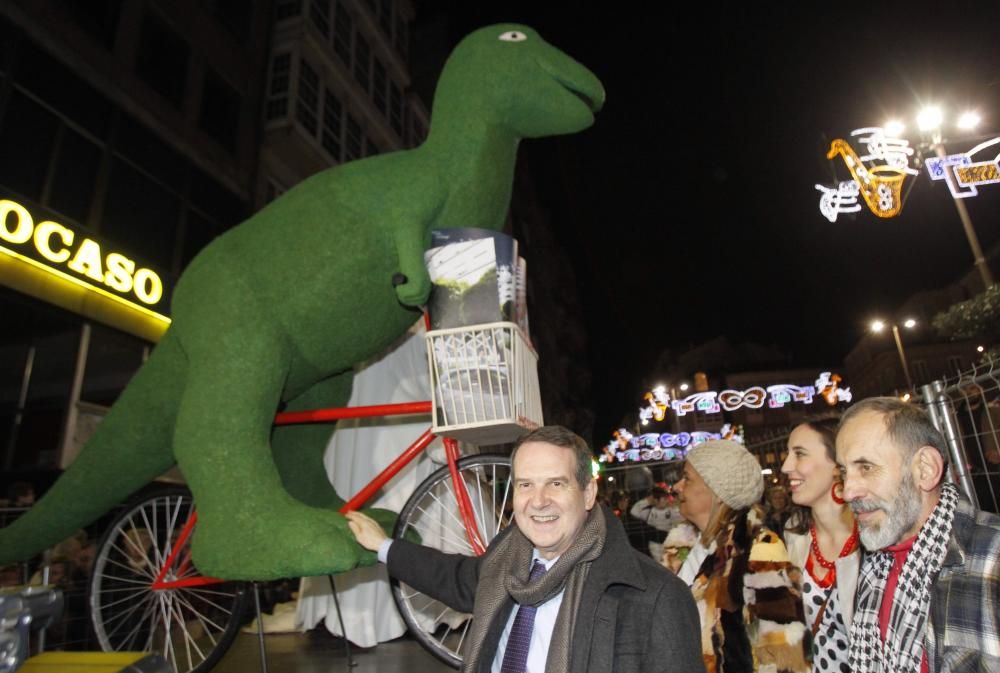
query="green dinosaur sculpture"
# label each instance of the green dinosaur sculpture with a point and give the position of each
(274, 313)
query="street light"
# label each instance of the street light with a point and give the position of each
(878, 325)
(930, 120)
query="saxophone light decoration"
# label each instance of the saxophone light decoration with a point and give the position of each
(880, 186)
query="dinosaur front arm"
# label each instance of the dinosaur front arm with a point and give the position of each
(411, 242)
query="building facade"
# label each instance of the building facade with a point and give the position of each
(136, 131)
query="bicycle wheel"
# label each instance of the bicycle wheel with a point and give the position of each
(432, 512)
(191, 627)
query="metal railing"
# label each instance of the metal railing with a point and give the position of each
(966, 410)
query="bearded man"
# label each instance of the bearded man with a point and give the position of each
(928, 597)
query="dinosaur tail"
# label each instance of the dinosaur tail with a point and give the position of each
(131, 447)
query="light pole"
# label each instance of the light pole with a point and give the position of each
(929, 121)
(877, 326)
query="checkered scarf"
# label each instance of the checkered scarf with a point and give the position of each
(903, 647)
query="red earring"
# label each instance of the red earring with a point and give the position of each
(833, 492)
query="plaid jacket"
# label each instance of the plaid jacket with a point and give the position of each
(963, 632)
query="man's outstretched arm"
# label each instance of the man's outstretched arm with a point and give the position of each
(450, 578)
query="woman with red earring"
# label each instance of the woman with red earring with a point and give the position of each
(823, 541)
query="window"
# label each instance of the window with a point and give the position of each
(220, 204)
(162, 59)
(319, 12)
(343, 29)
(306, 110)
(236, 16)
(418, 130)
(362, 62)
(385, 16)
(59, 87)
(99, 18)
(920, 375)
(401, 38)
(113, 357)
(220, 111)
(198, 232)
(353, 138)
(277, 93)
(28, 132)
(272, 190)
(146, 149)
(50, 338)
(396, 109)
(286, 9)
(132, 195)
(333, 115)
(378, 82)
(74, 176)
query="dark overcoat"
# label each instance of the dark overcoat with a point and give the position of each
(634, 615)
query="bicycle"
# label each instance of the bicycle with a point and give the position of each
(146, 594)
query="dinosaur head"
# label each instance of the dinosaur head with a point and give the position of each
(509, 76)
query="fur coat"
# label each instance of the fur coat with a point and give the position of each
(751, 613)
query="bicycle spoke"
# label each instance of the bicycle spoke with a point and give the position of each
(139, 552)
(123, 619)
(199, 616)
(148, 578)
(203, 599)
(189, 641)
(148, 613)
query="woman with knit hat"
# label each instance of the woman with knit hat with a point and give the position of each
(738, 571)
(824, 542)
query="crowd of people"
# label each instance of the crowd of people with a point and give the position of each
(868, 559)
(879, 563)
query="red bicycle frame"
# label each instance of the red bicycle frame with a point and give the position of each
(334, 414)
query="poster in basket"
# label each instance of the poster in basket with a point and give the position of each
(474, 275)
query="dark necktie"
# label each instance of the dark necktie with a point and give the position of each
(515, 657)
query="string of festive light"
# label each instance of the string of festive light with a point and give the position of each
(626, 447)
(826, 386)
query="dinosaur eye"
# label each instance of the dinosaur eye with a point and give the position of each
(513, 36)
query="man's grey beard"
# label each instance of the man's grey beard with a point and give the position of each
(901, 515)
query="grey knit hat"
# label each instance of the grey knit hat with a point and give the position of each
(730, 471)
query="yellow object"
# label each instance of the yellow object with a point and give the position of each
(880, 185)
(82, 662)
(978, 174)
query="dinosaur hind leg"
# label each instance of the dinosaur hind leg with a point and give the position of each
(249, 526)
(299, 449)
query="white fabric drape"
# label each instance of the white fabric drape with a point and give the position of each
(357, 452)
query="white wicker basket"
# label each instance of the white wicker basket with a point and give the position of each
(484, 383)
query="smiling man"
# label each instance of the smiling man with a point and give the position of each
(929, 593)
(561, 590)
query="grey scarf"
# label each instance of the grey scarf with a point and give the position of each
(504, 573)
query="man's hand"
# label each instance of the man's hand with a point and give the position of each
(366, 530)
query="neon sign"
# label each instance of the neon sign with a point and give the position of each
(54, 247)
(962, 174)
(877, 176)
(626, 447)
(826, 386)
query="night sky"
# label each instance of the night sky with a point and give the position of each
(690, 208)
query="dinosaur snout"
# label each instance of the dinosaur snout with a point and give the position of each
(581, 83)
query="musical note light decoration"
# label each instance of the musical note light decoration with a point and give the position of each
(877, 176)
